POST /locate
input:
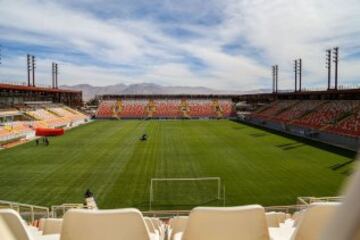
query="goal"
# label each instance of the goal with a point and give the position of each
(184, 192)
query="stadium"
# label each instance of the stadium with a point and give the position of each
(279, 164)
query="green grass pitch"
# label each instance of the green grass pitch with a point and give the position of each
(256, 166)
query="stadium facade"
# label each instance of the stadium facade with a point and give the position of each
(12, 95)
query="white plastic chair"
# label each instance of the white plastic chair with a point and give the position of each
(314, 220)
(13, 228)
(229, 223)
(119, 224)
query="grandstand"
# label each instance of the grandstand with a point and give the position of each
(19, 125)
(180, 106)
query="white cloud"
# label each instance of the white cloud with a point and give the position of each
(278, 30)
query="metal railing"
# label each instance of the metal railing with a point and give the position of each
(309, 200)
(33, 212)
(27, 211)
(57, 211)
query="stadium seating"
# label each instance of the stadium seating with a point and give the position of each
(177, 226)
(298, 110)
(151, 227)
(9, 112)
(12, 227)
(52, 116)
(51, 120)
(227, 108)
(272, 219)
(134, 109)
(203, 223)
(169, 108)
(201, 108)
(314, 220)
(71, 116)
(349, 126)
(328, 113)
(248, 222)
(126, 224)
(15, 130)
(165, 108)
(105, 109)
(336, 116)
(52, 226)
(159, 227)
(274, 109)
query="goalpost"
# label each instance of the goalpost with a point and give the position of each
(213, 182)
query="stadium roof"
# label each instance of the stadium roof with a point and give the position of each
(14, 87)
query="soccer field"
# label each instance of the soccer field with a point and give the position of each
(256, 166)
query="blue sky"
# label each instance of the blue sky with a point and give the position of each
(225, 45)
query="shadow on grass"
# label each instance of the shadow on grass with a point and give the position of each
(338, 166)
(258, 134)
(289, 146)
(327, 147)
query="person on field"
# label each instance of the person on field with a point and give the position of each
(143, 137)
(90, 202)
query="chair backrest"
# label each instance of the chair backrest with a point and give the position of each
(281, 217)
(272, 219)
(52, 226)
(80, 224)
(313, 220)
(228, 223)
(150, 225)
(11, 226)
(42, 224)
(158, 226)
(177, 225)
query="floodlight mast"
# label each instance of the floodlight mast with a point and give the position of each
(55, 69)
(33, 69)
(336, 62)
(296, 73)
(28, 61)
(300, 73)
(52, 75)
(273, 78)
(276, 78)
(328, 66)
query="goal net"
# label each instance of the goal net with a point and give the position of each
(183, 193)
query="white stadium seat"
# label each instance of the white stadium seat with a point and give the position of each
(228, 223)
(52, 226)
(12, 227)
(120, 224)
(150, 225)
(272, 219)
(314, 220)
(177, 226)
(42, 224)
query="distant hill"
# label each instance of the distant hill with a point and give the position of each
(90, 91)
